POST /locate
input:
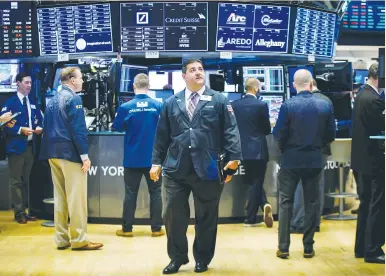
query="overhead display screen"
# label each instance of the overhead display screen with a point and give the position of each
(314, 33)
(365, 15)
(164, 26)
(75, 29)
(16, 29)
(252, 28)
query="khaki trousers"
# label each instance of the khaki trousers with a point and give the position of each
(70, 199)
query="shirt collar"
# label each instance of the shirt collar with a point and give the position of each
(188, 92)
(21, 96)
(375, 89)
(251, 95)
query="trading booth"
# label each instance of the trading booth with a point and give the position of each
(114, 41)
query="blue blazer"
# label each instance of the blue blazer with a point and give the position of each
(65, 131)
(305, 125)
(181, 143)
(252, 117)
(17, 143)
(139, 118)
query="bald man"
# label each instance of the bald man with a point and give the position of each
(304, 127)
(252, 118)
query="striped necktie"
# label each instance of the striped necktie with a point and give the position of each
(193, 99)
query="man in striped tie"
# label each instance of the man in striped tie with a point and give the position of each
(196, 125)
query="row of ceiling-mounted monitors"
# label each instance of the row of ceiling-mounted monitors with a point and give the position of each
(26, 30)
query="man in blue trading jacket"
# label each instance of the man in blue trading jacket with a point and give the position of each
(305, 125)
(195, 126)
(252, 117)
(65, 145)
(297, 222)
(139, 119)
(19, 143)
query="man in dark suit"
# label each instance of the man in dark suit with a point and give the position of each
(368, 165)
(20, 144)
(252, 117)
(305, 125)
(297, 222)
(195, 126)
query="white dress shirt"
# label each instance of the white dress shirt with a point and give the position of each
(21, 97)
(251, 95)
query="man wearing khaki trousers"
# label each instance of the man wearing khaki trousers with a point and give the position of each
(65, 145)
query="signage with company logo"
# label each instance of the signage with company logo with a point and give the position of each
(255, 28)
(164, 26)
(314, 33)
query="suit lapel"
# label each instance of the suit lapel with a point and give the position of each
(202, 103)
(181, 103)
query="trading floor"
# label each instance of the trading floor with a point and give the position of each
(29, 250)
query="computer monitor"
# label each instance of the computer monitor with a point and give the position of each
(128, 72)
(217, 82)
(360, 76)
(334, 77)
(291, 72)
(270, 77)
(274, 103)
(342, 105)
(232, 96)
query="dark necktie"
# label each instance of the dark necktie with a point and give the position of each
(26, 109)
(192, 104)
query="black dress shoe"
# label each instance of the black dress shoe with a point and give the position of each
(359, 255)
(200, 267)
(173, 267)
(376, 260)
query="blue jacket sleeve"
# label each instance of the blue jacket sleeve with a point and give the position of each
(281, 130)
(77, 124)
(119, 121)
(231, 138)
(15, 129)
(162, 137)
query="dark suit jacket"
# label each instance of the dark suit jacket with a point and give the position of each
(180, 142)
(305, 125)
(327, 149)
(368, 120)
(252, 117)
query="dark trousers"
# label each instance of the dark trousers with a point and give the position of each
(20, 167)
(370, 232)
(206, 195)
(288, 180)
(133, 178)
(255, 173)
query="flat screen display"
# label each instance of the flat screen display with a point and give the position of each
(360, 76)
(16, 36)
(160, 95)
(365, 16)
(75, 29)
(270, 77)
(252, 28)
(314, 33)
(164, 26)
(291, 72)
(274, 103)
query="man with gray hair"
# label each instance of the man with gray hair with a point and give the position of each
(139, 118)
(305, 125)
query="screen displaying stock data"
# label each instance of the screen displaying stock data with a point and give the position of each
(365, 15)
(164, 26)
(75, 29)
(253, 28)
(314, 33)
(16, 34)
